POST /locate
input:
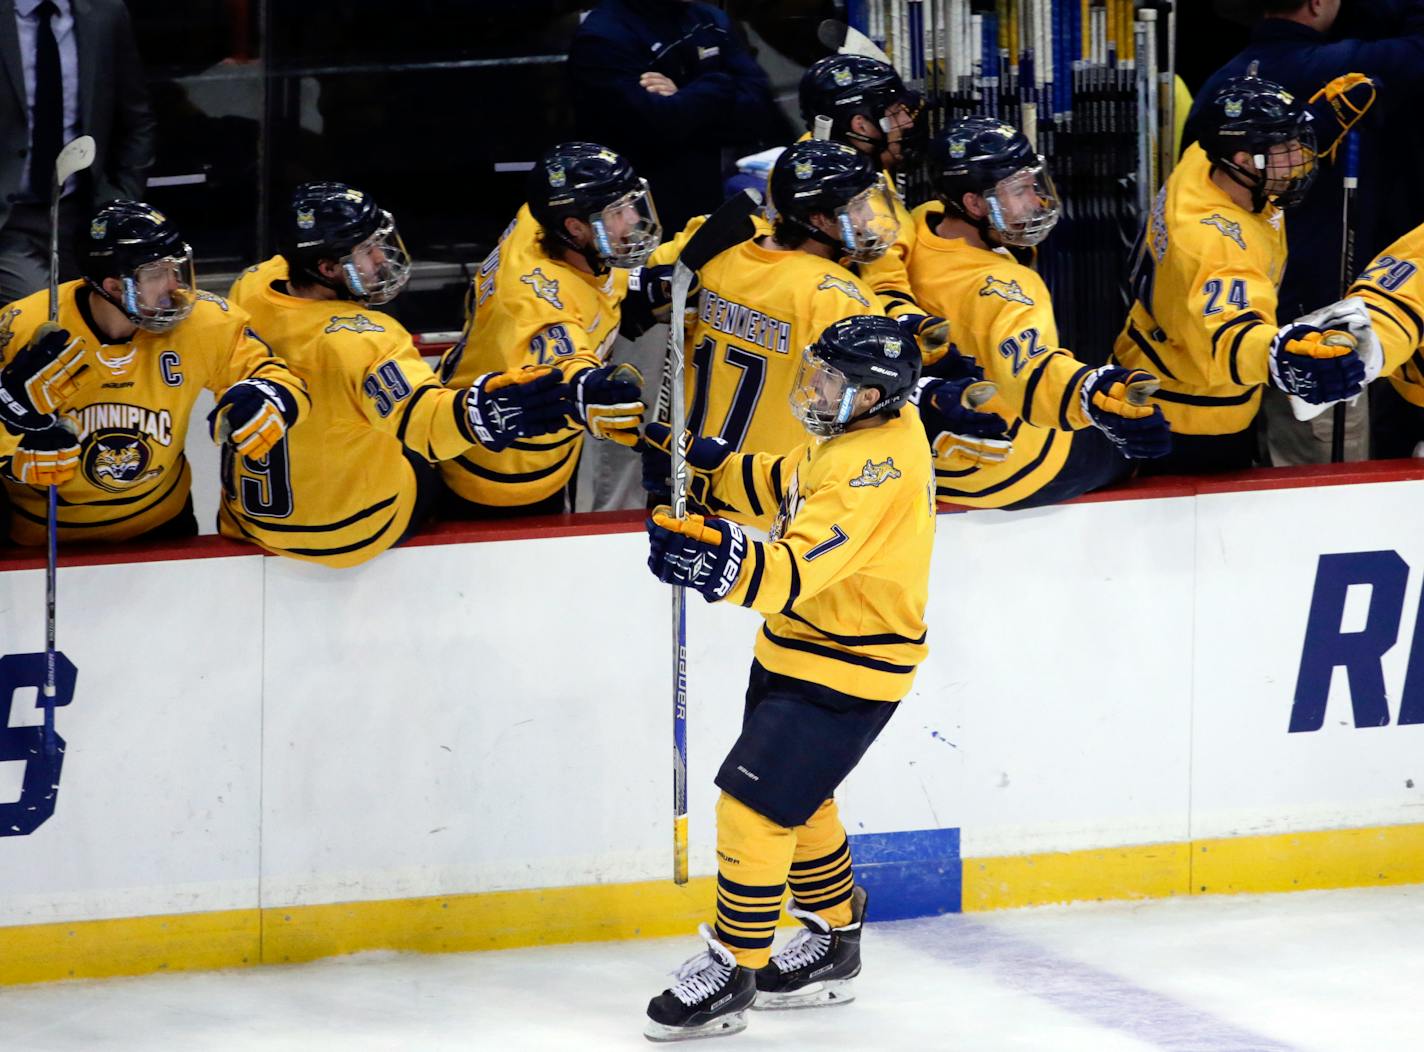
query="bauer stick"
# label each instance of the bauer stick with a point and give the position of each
(730, 225)
(75, 157)
(1347, 273)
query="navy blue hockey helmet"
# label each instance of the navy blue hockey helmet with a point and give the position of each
(836, 180)
(1260, 118)
(984, 156)
(595, 185)
(849, 356)
(837, 88)
(139, 246)
(336, 222)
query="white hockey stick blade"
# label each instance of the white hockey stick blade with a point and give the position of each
(847, 40)
(76, 155)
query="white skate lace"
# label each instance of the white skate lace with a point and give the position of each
(806, 947)
(700, 978)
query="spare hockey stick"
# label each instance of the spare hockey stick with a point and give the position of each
(1347, 273)
(75, 157)
(730, 225)
(847, 40)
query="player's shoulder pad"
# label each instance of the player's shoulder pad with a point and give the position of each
(1014, 283)
(20, 319)
(1227, 228)
(211, 312)
(374, 332)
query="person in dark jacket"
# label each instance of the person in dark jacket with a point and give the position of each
(1301, 44)
(670, 85)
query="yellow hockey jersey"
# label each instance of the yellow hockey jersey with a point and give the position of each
(1003, 319)
(133, 475)
(339, 490)
(1393, 290)
(1205, 283)
(528, 308)
(257, 277)
(844, 579)
(756, 312)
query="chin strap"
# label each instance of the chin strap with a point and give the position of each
(986, 231)
(1255, 183)
(103, 294)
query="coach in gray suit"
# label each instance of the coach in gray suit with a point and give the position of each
(71, 68)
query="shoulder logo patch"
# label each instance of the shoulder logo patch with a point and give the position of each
(7, 323)
(1009, 290)
(1229, 230)
(211, 297)
(545, 287)
(873, 474)
(842, 285)
(353, 323)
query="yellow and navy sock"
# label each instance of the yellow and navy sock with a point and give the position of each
(753, 855)
(821, 876)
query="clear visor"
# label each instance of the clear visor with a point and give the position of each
(867, 222)
(159, 294)
(1024, 207)
(626, 231)
(822, 398)
(1289, 168)
(378, 268)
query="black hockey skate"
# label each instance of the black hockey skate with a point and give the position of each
(709, 999)
(817, 965)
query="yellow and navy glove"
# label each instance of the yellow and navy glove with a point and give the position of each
(253, 415)
(1115, 400)
(704, 554)
(1316, 365)
(46, 458)
(704, 456)
(962, 433)
(607, 402)
(517, 403)
(930, 333)
(40, 379)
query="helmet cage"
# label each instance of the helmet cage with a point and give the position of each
(867, 222)
(822, 397)
(171, 306)
(375, 281)
(1006, 214)
(627, 230)
(1288, 189)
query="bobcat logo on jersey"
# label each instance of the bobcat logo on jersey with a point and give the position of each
(545, 287)
(211, 297)
(791, 503)
(1010, 290)
(842, 285)
(1228, 229)
(353, 323)
(118, 462)
(7, 321)
(874, 474)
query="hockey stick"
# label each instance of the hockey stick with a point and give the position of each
(74, 157)
(846, 40)
(730, 225)
(1347, 273)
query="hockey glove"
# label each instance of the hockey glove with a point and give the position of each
(931, 333)
(517, 403)
(704, 456)
(46, 458)
(1115, 400)
(607, 401)
(649, 299)
(961, 433)
(1319, 366)
(696, 552)
(40, 378)
(253, 415)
